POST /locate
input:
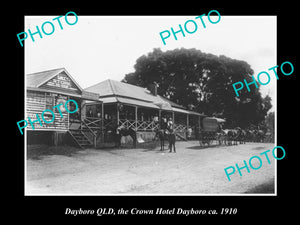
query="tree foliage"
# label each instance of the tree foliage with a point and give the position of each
(202, 82)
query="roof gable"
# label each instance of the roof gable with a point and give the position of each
(53, 79)
(36, 79)
(60, 80)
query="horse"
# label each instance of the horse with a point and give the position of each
(260, 135)
(227, 136)
(121, 131)
(255, 135)
(221, 137)
(233, 135)
(161, 134)
(250, 135)
(242, 136)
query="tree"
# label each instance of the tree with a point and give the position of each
(203, 82)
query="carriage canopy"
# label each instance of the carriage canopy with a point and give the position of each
(210, 124)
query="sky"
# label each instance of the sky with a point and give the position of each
(97, 48)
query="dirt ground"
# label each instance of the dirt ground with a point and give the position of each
(191, 170)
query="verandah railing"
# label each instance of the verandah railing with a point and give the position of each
(148, 125)
(180, 127)
(93, 122)
(139, 125)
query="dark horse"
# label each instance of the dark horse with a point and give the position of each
(232, 136)
(166, 134)
(161, 134)
(236, 135)
(120, 131)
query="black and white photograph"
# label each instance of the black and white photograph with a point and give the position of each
(151, 105)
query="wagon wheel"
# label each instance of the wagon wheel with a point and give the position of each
(209, 141)
(215, 138)
(200, 138)
(200, 141)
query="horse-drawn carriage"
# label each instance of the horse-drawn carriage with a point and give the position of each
(209, 130)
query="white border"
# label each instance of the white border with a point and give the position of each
(112, 195)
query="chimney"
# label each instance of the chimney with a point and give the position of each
(153, 88)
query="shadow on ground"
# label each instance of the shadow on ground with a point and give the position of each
(258, 148)
(198, 147)
(266, 188)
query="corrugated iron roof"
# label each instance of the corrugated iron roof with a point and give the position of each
(172, 103)
(111, 87)
(137, 102)
(114, 91)
(116, 88)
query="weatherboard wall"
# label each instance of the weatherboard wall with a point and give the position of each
(37, 102)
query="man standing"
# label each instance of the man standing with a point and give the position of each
(171, 134)
(170, 124)
(172, 140)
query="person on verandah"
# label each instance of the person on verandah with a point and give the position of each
(90, 113)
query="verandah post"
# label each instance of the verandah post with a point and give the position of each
(173, 119)
(55, 138)
(136, 117)
(187, 122)
(159, 118)
(118, 114)
(102, 123)
(94, 141)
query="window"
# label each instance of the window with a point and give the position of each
(50, 101)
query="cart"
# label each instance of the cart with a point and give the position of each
(208, 130)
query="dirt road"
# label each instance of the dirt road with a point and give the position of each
(192, 170)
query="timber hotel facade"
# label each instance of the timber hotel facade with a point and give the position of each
(99, 107)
